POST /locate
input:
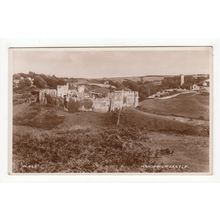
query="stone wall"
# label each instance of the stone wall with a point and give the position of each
(121, 99)
(116, 99)
(44, 92)
(101, 104)
(62, 90)
(69, 90)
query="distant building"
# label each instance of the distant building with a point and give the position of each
(206, 83)
(195, 87)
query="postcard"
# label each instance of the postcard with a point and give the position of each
(102, 110)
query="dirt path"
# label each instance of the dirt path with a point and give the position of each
(190, 121)
(175, 95)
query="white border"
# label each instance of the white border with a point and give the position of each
(101, 178)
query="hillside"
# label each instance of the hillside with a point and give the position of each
(136, 78)
(91, 142)
(184, 105)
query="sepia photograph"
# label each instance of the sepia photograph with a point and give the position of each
(121, 110)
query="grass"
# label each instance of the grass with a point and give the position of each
(20, 98)
(138, 119)
(185, 105)
(109, 150)
(48, 140)
(38, 117)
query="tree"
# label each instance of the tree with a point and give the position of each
(52, 81)
(73, 106)
(40, 82)
(116, 84)
(131, 85)
(24, 83)
(171, 82)
(32, 74)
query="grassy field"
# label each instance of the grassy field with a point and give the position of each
(185, 105)
(151, 122)
(46, 139)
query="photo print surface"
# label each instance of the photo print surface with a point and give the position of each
(108, 110)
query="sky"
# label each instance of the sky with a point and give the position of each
(112, 62)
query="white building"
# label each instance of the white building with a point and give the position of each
(195, 87)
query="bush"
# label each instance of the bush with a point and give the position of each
(73, 106)
(40, 82)
(51, 100)
(80, 151)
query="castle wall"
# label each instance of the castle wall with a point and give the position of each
(101, 104)
(121, 99)
(62, 90)
(114, 101)
(44, 92)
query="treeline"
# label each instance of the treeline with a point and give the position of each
(174, 82)
(147, 88)
(144, 89)
(189, 81)
(40, 81)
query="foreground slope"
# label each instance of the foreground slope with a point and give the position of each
(91, 142)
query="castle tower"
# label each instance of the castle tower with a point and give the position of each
(181, 79)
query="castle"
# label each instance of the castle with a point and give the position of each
(111, 101)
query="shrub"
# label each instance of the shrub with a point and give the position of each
(51, 100)
(80, 151)
(40, 82)
(73, 106)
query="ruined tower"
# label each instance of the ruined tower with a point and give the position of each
(181, 79)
